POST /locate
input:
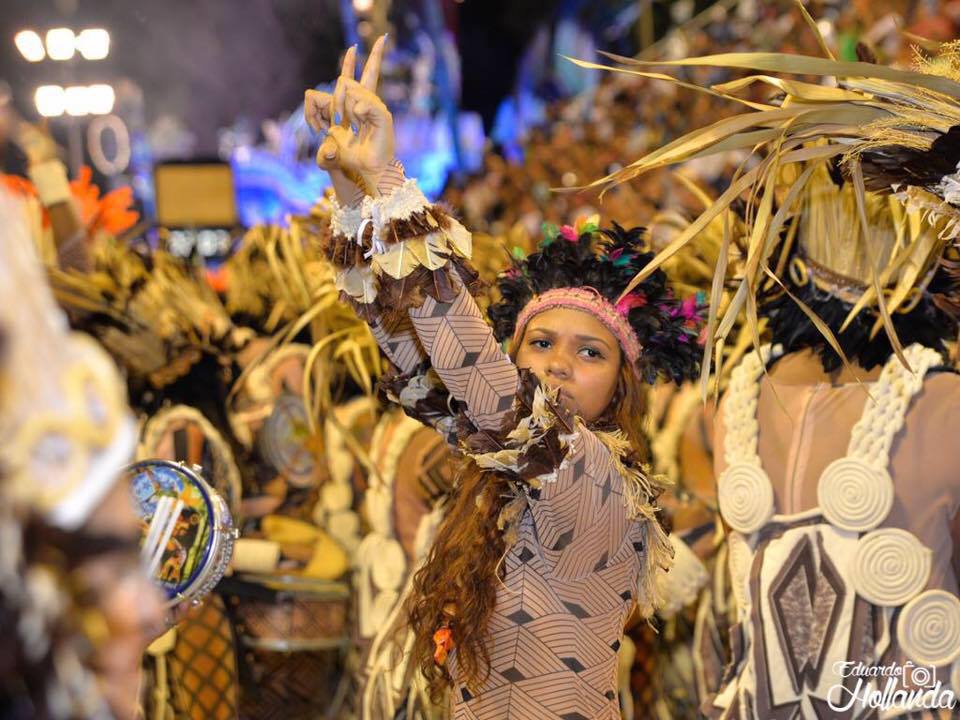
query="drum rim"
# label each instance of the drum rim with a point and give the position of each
(224, 536)
(293, 584)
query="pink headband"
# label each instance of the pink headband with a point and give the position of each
(588, 300)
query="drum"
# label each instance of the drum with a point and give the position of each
(294, 631)
(187, 529)
(192, 671)
(286, 613)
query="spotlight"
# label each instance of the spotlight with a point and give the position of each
(51, 100)
(100, 99)
(94, 43)
(78, 100)
(61, 43)
(30, 45)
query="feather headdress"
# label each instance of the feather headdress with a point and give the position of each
(657, 330)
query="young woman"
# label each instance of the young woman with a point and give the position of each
(552, 538)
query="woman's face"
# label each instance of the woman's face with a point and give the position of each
(573, 351)
(130, 603)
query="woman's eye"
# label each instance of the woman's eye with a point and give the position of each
(541, 344)
(592, 353)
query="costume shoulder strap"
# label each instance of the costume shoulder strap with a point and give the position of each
(886, 408)
(740, 407)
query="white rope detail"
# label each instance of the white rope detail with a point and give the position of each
(740, 407)
(884, 415)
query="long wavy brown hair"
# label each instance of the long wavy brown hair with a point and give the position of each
(458, 583)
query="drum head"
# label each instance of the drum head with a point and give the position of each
(284, 441)
(268, 413)
(176, 512)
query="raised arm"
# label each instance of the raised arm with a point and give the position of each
(466, 356)
(49, 177)
(403, 261)
(410, 280)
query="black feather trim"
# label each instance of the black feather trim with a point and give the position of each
(892, 165)
(927, 324)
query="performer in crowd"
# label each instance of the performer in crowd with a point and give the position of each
(552, 536)
(68, 243)
(833, 442)
(76, 607)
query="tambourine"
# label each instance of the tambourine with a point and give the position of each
(187, 530)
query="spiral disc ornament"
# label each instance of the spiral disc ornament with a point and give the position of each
(284, 441)
(890, 567)
(855, 496)
(929, 628)
(745, 497)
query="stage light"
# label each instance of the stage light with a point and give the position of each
(78, 100)
(363, 6)
(30, 45)
(100, 99)
(51, 100)
(94, 43)
(61, 43)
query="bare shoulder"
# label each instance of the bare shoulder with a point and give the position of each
(936, 408)
(941, 385)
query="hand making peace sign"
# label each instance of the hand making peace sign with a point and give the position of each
(359, 142)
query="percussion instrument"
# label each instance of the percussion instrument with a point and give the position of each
(294, 632)
(287, 613)
(192, 670)
(188, 532)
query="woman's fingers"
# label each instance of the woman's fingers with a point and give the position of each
(349, 66)
(371, 71)
(353, 105)
(317, 109)
(347, 72)
(328, 156)
(364, 107)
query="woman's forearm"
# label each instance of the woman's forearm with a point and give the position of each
(466, 356)
(406, 280)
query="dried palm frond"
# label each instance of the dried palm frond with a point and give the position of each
(881, 124)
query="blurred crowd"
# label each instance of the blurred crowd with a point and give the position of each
(590, 136)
